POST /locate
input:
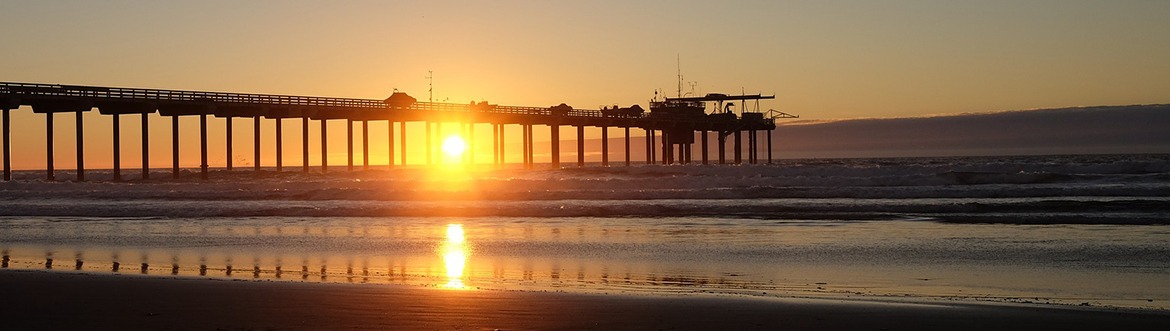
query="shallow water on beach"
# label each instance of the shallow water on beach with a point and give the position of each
(1064, 264)
(1075, 230)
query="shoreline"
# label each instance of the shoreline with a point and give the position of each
(56, 300)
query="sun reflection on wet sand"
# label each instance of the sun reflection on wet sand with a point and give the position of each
(454, 251)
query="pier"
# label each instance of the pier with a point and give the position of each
(670, 126)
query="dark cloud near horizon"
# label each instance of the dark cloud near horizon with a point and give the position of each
(1111, 129)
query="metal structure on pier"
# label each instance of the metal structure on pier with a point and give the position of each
(675, 119)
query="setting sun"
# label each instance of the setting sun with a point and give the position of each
(453, 148)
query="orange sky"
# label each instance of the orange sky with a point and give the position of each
(823, 60)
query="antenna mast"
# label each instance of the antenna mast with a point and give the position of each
(430, 86)
(678, 66)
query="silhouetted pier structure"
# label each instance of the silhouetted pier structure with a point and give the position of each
(671, 119)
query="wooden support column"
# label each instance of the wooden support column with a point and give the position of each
(203, 146)
(175, 146)
(604, 146)
(349, 144)
(228, 124)
(738, 152)
(471, 143)
(649, 139)
(722, 147)
(402, 141)
(703, 147)
(503, 160)
(627, 129)
(555, 144)
(145, 146)
(531, 148)
(7, 144)
(495, 144)
(49, 146)
(390, 144)
(580, 146)
(117, 135)
(279, 145)
(429, 146)
(665, 147)
(256, 143)
(80, 147)
(365, 145)
(769, 146)
(324, 146)
(305, 143)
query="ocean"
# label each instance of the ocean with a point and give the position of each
(1062, 230)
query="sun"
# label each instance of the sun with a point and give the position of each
(454, 147)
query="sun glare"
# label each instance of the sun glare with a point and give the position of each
(454, 147)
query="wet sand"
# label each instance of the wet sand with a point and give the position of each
(62, 300)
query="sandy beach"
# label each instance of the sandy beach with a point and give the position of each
(60, 300)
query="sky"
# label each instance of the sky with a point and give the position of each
(823, 60)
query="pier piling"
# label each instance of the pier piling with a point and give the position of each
(279, 145)
(365, 145)
(555, 144)
(203, 146)
(324, 146)
(228, 145)
(349, 145)
(627, 146)
(7, 144)
(305, 143)
(580, 146)
(80, 147)
(175, 147)
(117, 128)
(49, 146)
(146, 145)
(604, 146)
(256, 143)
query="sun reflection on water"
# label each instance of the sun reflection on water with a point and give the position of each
(454, 251)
